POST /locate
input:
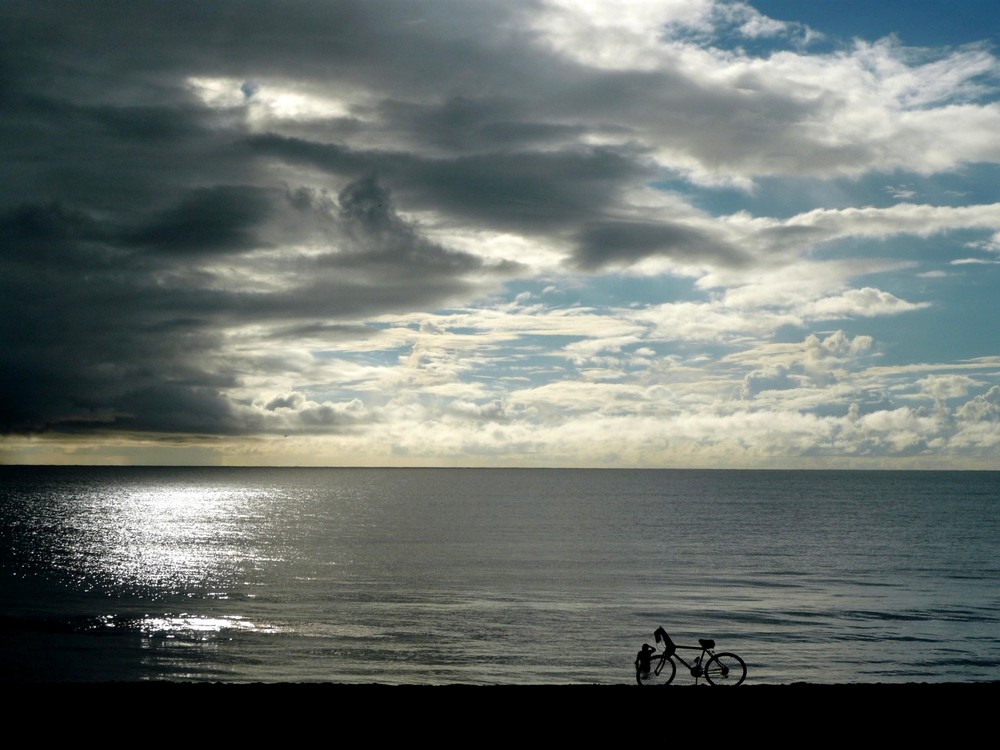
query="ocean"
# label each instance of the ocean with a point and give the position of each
(494, 576)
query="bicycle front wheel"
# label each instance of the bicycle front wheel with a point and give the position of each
(661, 672)
(725, 669)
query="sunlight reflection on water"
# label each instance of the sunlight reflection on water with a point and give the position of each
(170, 626)
(163, 537)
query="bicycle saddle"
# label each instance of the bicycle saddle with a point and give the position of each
(706, 643)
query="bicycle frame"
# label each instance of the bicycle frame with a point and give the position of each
(696, 668)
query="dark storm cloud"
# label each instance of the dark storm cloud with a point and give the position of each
(180, 408)
(105, 327)
(527, 190)
(330, 157)
(207, 220)
(609, 243)
(372, 237)
(324, 331)
(140, 48)
(393, 266)
(143, 222)
(78, 350)
(115, 159)
(532, 191)
(49, 232)
(463, 123)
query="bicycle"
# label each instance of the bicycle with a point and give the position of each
(723, 668)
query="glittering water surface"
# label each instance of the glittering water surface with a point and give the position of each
(494, 576)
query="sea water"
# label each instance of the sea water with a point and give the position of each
(506, 576)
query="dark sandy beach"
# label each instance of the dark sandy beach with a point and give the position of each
(906, 702)
(292, 715)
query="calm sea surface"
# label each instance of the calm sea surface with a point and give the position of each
(494, 576)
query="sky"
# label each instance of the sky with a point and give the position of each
(682, 233)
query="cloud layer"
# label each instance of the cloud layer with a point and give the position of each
(559, 233)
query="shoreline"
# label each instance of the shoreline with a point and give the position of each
(181, 685)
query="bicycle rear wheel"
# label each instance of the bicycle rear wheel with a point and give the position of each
(725, 669)
(661, 672)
